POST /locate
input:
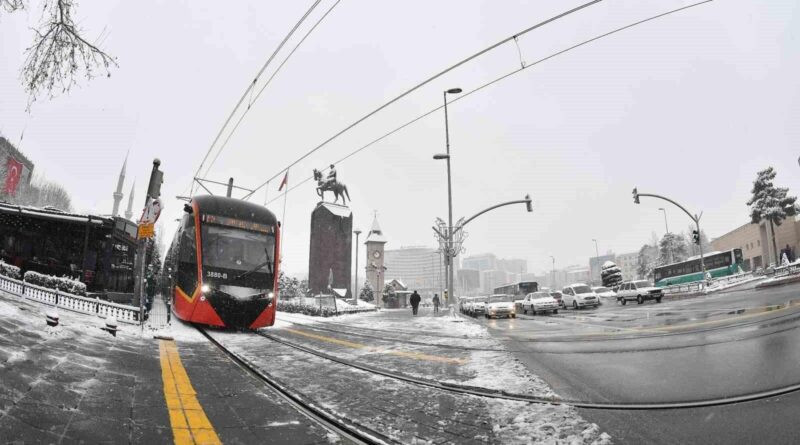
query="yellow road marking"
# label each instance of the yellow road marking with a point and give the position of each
(187, 418)
(407, 354)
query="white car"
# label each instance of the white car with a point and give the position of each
(638, 291)
(539, 302)
(604, 293)
(501, 306)
(579, 295)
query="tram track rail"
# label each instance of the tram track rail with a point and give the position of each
(348, 430)
(505, 395)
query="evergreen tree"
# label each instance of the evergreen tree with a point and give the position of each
(611, 274)
(770, 203)
(648, 256)
(366, 293)
(672, 249)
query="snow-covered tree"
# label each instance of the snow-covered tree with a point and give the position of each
(610, 274)
(672, 249)
(648, 256)
(366, 293)
(287, 286)
(770, 203)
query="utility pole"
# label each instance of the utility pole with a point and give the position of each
(597, 258)
(355, 293)
(553, 273)
(145, 232)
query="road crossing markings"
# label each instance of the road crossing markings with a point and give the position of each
(407, 354)
(187, 418)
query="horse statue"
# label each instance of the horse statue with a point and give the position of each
(338, 189)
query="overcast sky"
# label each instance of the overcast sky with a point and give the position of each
(689, 106)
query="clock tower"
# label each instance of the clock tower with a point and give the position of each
(375, 269)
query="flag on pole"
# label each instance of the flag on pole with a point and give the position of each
(285, 181)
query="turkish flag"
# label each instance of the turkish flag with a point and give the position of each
(13, 175)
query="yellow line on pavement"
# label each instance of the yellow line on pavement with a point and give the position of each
(407, 354)
(189, 422)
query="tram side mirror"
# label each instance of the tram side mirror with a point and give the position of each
(188, 209)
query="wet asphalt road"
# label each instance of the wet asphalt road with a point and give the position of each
(740, 342)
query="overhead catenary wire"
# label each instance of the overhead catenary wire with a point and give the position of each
(269, 80)
(490, 83)
(251, 86)
(425, 82)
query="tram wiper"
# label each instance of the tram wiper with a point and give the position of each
(266, 263)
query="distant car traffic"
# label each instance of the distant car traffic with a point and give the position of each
(579, 295)
(539, 302)
(501, 306)
(557, 295)
(604, 293)
(638, 291)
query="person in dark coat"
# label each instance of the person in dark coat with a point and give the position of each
(435, 302)
(414, 300)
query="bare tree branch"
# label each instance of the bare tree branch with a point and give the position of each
(12, 5)
(59, 54)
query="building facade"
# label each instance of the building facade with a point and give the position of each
(596, 266)
(628, 263)
(755, 240)
(418, 268)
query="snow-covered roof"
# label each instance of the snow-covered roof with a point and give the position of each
(338, 210)
(52, 214)
(375, 234)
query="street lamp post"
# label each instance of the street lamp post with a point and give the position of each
(666, 227)
(597, 256)
(355, 292)
(449, 255)
(553, 273)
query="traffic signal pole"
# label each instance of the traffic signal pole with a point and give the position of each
(695, 218)
(153, 192)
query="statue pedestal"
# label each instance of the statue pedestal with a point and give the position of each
(331, 249)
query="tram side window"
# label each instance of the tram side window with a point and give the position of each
(187, 270)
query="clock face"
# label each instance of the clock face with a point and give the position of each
(376, 254)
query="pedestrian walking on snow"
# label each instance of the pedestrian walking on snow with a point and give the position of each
(435, 303)
(414, 300)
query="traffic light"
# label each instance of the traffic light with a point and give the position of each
(696, 236)
(529, 203)
(635, 196)
(445, 294)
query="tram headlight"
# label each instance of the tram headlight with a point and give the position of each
(205, 288)
(271, 295)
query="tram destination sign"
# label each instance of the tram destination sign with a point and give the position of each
(238, 223)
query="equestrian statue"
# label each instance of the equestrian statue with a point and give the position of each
(331, 184)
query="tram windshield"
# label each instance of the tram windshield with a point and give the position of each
(235, 249)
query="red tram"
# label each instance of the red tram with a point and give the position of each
(223, 264)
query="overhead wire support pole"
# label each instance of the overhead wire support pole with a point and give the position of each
(432, 78)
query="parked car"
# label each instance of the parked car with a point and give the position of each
(557, 295)
(604, 293)
(476, 306)
(579, 295)
(638, 291)
(501, 306)
(539, 302)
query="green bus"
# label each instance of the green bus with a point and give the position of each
(718, 264)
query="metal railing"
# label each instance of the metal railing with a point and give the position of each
(75, 303)
(701, 286)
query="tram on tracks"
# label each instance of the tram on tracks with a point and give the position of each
(223, 264)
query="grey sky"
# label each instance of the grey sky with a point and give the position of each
(690, 106)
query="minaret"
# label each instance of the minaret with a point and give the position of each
(129, 212)
(118, 193)
(375, 270)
